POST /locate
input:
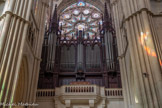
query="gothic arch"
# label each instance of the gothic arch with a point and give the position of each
(22, 83)
(65, 3)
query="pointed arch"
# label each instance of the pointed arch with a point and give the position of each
(22, 83)
(66, 3)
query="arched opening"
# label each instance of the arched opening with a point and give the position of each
(21, 88)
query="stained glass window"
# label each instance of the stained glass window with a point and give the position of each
(96, 15)
(81, 26)
(81, 4)
(76, 12)
(80, 16)
(66, 16)
(86, 11)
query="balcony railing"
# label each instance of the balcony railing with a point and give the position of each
(45, 93)
(115, 92)
(76, 90)
(79, 89)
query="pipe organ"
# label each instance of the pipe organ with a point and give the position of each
(92, 59)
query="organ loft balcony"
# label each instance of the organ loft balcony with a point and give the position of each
(79, 93)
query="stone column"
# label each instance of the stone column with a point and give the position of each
(67, 103)
(146, 68)
(91, 103)
(12, 44)
(36, 69)
(120, 34)
(5, 23)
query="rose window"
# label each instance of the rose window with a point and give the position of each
(80, 16)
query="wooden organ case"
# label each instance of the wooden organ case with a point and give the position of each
(78, 59)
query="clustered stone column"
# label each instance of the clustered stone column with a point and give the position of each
(144, 53)
(42, 17)
(15, 20)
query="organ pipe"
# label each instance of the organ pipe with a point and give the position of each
(109, 42)
(52, 39)
(79, 55)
